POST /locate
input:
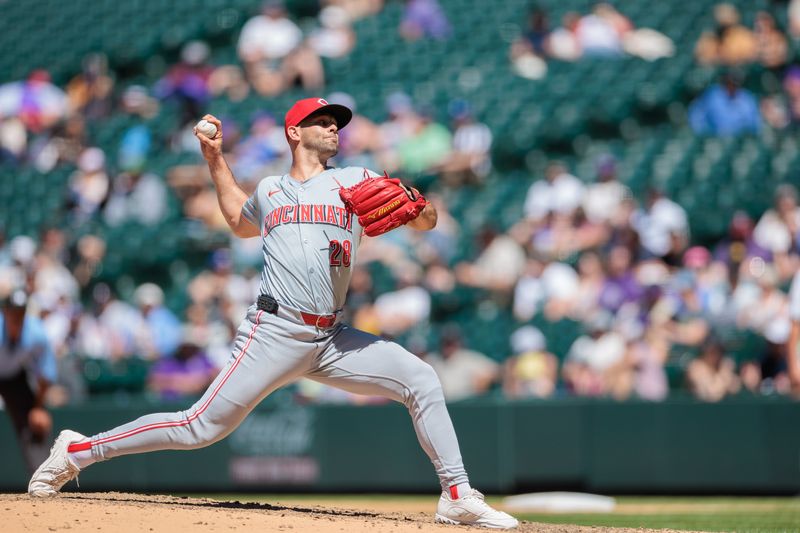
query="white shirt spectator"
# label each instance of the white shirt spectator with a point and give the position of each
(268, 38)
(472, 138)
(401, 309)
(112, 334)
(772, 233)
(560, 281)
(145, 202)
(529, 297)
(335, 37)
(596, 35)
(657, 225)
(564, 45)
(503, 260)
(55, 280)
(602, 200)
(563, 195)
(598, 354)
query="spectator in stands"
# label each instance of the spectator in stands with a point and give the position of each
(407, 306)
(356, 9)
(662, 227)
(89, 185)
(229, 81)
(136, 197)
(464, 373)
(269, 35)
(136, 101)
(596, 364)
(91, 251)
(678, 315)
(27, 369)
(531, 372)
(600, 32)
(89, 93)
(738, 245)
(20, 270)
(134, 147)
(563, 43)
(778, 231)
(437, 246)
(400, 125)
(61, 144)
(591, 281)
(772, 46)
(545, 286)
(712, 376)
(648, 355)
(188, 372)
(303, 68)
(262, 152)
(161, 330)
(213, 334)
(560, 192)
(561, 284)
(221, 288)
(109, 330)
(187, 82)
(729, 43)
(360, 142)
(620, 285)
(274, 54)
(13, 140)
(469, 161)
(193, 187)
(424, 19)
(429, 145)
(529, 50)
(725, 109)
(69, 139)
(335, 36)
(561, 235)
(712, 279)
(51, 277)
(499, 263)
(36, 101)
(602, 201)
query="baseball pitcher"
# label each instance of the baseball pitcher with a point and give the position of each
(310, 222)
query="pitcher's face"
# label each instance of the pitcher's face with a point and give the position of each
(320, 133)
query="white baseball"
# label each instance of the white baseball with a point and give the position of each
(206, 128)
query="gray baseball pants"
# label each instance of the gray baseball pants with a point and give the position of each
(271, 351)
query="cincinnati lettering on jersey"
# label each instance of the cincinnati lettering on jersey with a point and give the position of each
(308, 214)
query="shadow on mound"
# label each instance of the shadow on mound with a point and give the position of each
(186, 501)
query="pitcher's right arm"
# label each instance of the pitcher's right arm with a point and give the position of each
(230, 195)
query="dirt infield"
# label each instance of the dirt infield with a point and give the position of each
(128, 513)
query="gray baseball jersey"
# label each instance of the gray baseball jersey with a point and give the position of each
(310, 240)
(310, 245)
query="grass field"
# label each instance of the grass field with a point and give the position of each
(737, 514)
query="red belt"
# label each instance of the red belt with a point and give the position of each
(320, 321)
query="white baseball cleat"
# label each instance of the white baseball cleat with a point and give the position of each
(56, 470)
(472, 510)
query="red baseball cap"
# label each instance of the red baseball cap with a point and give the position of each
(302, 109)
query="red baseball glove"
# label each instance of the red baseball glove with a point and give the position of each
(382, 203)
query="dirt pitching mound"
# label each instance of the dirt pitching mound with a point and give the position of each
(116, 512)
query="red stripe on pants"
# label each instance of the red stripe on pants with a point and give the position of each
(192, 417)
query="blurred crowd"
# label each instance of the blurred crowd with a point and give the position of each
(653, 311)
(603, 33)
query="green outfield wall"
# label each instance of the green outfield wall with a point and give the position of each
(680, 446)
